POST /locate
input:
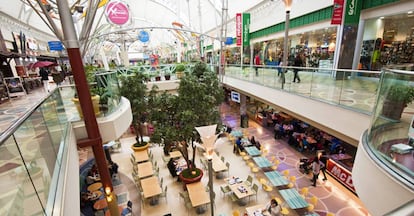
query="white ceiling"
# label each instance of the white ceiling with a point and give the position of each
(195, 15)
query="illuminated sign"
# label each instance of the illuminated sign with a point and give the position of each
(117, 12)
(341, 174)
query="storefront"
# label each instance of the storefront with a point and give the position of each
(317, 46)
(388, 40)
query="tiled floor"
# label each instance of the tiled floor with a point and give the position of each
(332, 197)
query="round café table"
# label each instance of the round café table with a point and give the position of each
(108, 213)
(100, 204)
(95, 186)
(96, 195)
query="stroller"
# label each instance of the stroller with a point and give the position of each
(305, 165)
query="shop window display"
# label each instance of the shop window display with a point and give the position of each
(396, 47)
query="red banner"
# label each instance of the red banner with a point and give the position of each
(338, 8)
(238, 29)
(341, 174)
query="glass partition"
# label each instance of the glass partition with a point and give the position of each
(391, 135)
(347, 88)
(29, 159)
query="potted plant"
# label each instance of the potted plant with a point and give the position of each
(167, 75)
(176, 116)
(179, 70)
(90, 71)
(396, 98)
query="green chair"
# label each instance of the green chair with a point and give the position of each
(255, 188)
(225, 189)
(249, 180)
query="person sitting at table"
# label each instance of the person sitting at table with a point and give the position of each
(252, 141)
(258, 145)
(171, 165)
(273, 208)
(86, 203)
(239, 144)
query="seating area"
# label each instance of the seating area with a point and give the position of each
(247, 191)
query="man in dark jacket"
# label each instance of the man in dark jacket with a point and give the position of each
(297, 63)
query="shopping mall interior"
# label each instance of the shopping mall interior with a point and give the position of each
(207, 107)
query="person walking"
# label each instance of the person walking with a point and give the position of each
(297, 63)
(257, 63)
(316, 168)
(324, 161)
(45, 78)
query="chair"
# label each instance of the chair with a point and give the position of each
(304, 191)
(164, 193)
(249, 180)
(284, 211)
(255, 169)
(228, 168)
(262, 181)
(164, 159)
(292, 182)
(161, 181)
(246, 158)
(155, 163)
(233, 197)
(222, 158)
(236, 213)
(184, 196)
(278, 200)
(267, 188)
(225, 189)
(255, 188)
(277, 162)
(330, 214)
(312, 203)
(286, 173)
(242, 154)
(274, 167)
(250, 164)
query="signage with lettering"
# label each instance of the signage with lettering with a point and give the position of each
(352, 11)
(55, 45)
(117, 12)
(341, 174)
(338, 9)
(238, 29)
(246, 29)
(235, 96)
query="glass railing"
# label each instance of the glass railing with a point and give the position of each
(352, 89)
(391, 134)
(29, 152)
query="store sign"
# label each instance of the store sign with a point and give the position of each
(238, 29)
(352, 11)
(117, 12)
(55, 45)
(143, 36)
(235, 96)
(341, 174)
(338, 9)
(246, 29)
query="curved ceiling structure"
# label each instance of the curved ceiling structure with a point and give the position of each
(193, 16)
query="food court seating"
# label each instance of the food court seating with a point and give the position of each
(284, 211)
(236, 213)
(225, 189)
(312, 203)
(255, 188)
(249, 180)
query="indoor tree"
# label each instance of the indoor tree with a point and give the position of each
(176, 116)
(134, 89)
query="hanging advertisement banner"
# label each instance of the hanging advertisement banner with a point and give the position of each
(246, 29)
(338, 9)
(352, 11)
(117, 12)
(238, 29)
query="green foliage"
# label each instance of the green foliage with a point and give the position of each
(187, 173)
(400, 93)
(176, 116)
(134, 89)
(180, 67)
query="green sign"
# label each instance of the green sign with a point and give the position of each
(352, 11)
(246, 29)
